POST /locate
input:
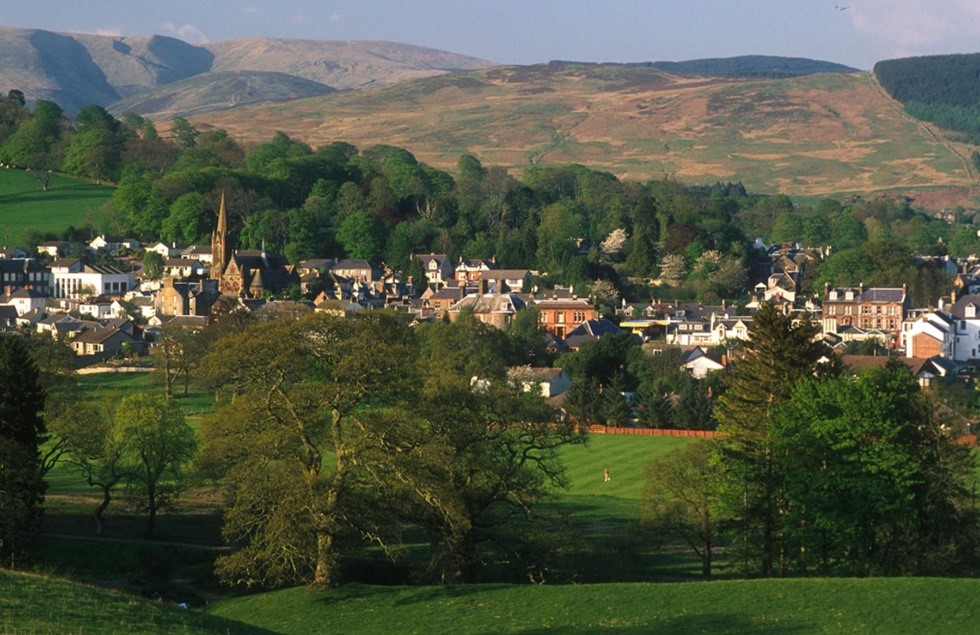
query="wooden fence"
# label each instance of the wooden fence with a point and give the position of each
(651, 432)
(967, 439)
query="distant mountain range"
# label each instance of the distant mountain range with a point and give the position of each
(779, 124)
(163, 76)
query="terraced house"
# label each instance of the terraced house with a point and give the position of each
(879, 308)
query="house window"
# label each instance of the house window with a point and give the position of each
(832, 311)
(579, 316)
(561, 317)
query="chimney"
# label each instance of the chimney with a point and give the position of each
(952, 297)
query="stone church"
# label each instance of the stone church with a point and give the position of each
(246, 273)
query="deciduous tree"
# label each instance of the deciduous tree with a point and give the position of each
(682, 498)
(157, 445)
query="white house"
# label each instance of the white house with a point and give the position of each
(699, 363)
(550, 382)
(965, 314)
(930, 334)
(199, 252)
(113, 244)
(173, 250)
(72, 279)
(23, 300)
(438, 268)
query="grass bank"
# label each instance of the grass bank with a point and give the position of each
(877, 605)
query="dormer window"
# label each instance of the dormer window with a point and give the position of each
(849, 295)
(833, 295)
(970, 311)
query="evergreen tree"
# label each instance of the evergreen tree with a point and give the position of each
(21, 431)
(693, 411)
(616, 410)
(780, 352)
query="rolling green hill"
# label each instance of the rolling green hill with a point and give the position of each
(43, 604)
(876, 605)
(24, 207)
(813, 135)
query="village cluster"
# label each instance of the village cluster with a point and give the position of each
(105, 312)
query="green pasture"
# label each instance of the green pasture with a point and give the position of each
(43, 604)
(875, 605)
(25, 207)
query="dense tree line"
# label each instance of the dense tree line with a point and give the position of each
(379, 203)
(943, 89)
(820, 472)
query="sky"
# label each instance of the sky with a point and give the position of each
(853, 32)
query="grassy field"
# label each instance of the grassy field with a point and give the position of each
(894, 605)
(24, 206)
(42, 604)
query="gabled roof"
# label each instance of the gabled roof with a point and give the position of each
(188, 321)
(490, 303)
(958, 310)
(98, 336)
(595, 328)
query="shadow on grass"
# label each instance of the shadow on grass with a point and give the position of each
(430, 594)
(706, 623)
(404, 596)
(51, 196)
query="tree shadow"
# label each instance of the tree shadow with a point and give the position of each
(683, 625)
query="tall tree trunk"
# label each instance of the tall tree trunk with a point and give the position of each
(99, 524)
(323, 575)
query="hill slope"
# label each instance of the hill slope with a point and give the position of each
(217, 90)
(812, 135)
(816, 605)
(75, 70)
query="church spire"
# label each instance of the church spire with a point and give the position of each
(219, 242)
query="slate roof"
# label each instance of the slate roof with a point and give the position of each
(872, 294)
(958, 310)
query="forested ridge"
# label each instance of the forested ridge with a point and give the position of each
(942, 89)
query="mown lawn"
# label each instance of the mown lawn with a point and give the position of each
(24, 206)
(876, 605)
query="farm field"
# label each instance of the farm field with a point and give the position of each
(25, 207)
